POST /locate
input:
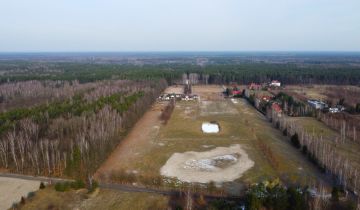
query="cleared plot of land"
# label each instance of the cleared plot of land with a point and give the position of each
(219, 165)
(179, 89)
(12, 189)
(137, 142)
(154, 144)
(209, 92)
(216, 108)
(331, 93)
(103, 199)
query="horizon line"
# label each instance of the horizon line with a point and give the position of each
(189, 51)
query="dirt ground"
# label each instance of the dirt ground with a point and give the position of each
(100, 199)
(151, 144)
(132, 146)
(178, 89)
(222, 164)
(208, 92)
(12, 189)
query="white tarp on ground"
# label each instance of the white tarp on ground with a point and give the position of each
(210, 128)
(222, 164)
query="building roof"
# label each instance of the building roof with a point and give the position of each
(276, 107)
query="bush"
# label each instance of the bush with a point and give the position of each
(31, 195)
(42, 185)
(304, 149)
(65, 186)
(277, 125)
(15, 206)
(62, 186)
(335, 194)
(211, 187)
(253, 202)
(296, 199)
(222, 204)
(22, 201)
(295, 141)
(285, 132)
(78, 184)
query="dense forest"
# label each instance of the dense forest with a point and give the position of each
(75, 129)
(213, 73)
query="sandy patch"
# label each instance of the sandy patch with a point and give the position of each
(12, 189)
(235, 101)
(210, 127)
(138, 142)
(222, 164)
(207, 146)
(178, 89)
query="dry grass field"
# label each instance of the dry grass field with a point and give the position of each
(100, 199)
(240, 123)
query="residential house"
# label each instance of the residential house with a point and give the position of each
(317, 104)
(275, 83)
(254, 86)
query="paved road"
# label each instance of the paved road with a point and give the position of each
(111, 186)
(34, 178)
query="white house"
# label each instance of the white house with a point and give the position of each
(275, 83)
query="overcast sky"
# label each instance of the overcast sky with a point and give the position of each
(179, 25)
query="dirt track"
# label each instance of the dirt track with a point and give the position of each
(140, 134)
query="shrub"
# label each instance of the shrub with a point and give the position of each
(277, 125)
(78, 184)
(296, 199)
(211, 187)
(94, 185)
(22, 201)
(62, 186)
(42, 185)
(335, 194)
(304, 149)
(30, 194)
(253, 202)
(222, 204)
(15, 206)
(285, 132)
(295, 141)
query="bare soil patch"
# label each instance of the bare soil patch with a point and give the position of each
(208, 92)
(177, 89)
(12, 189)
(143, 132)
(222, 164)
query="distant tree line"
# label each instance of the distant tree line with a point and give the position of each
(210, 74)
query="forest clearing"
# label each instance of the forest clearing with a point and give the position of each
(195, 140)
(134, 160)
